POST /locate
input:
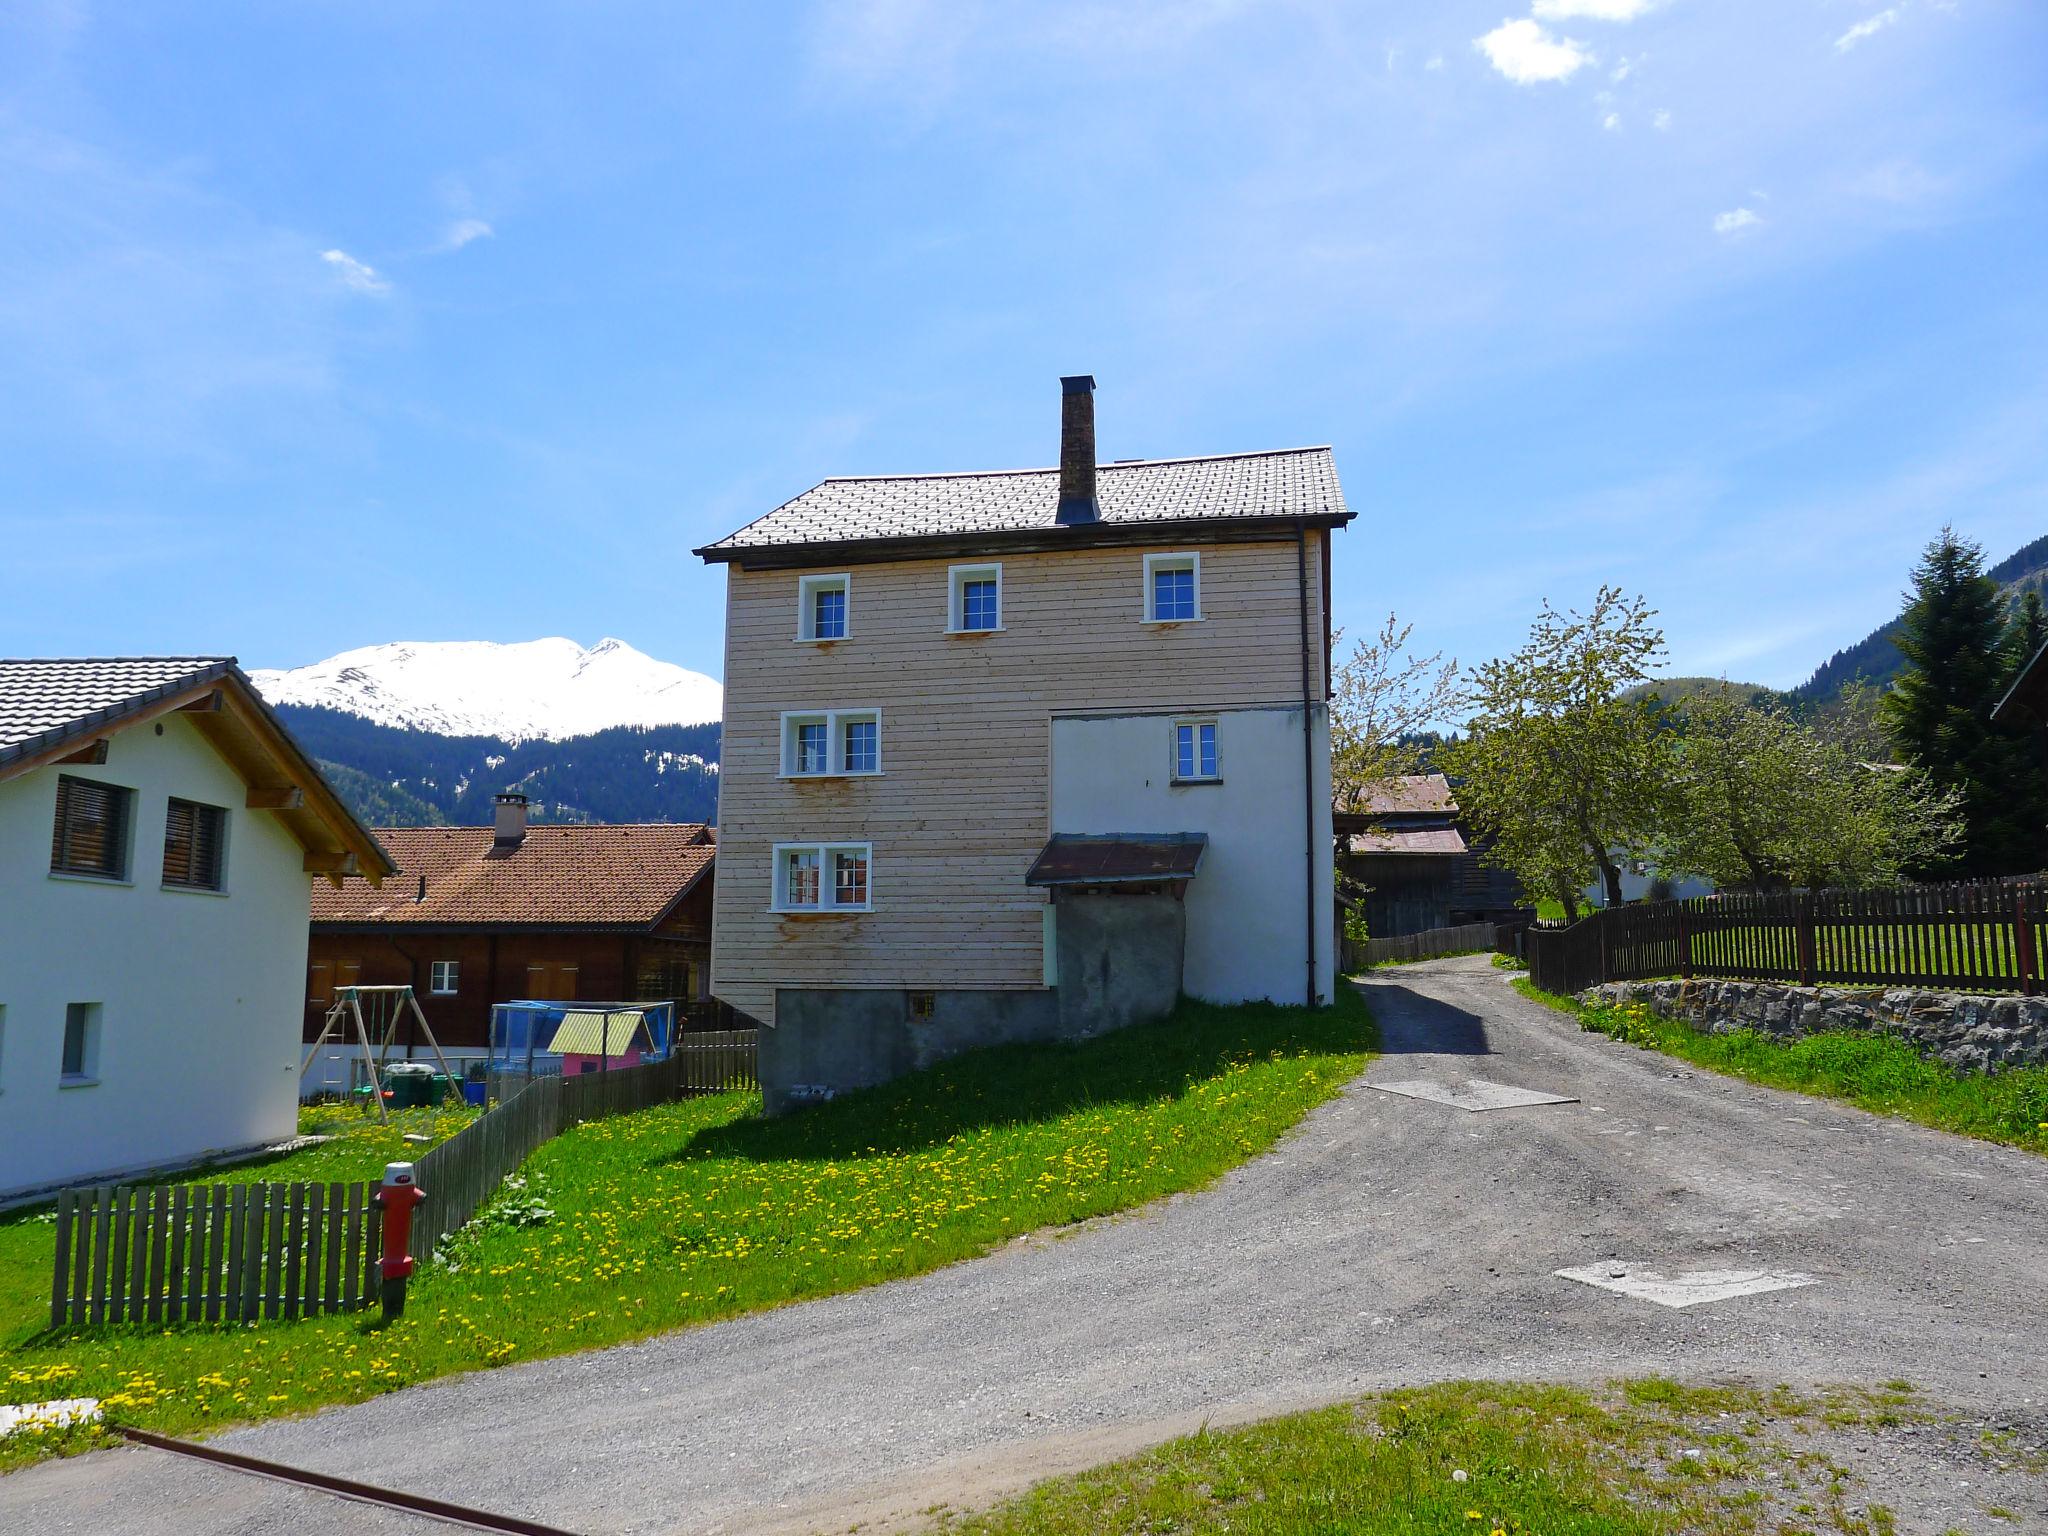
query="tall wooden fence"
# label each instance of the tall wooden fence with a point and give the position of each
(1984, 937)
(240, 1252)
(1359, 956)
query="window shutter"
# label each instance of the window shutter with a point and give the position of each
(91, 832)
(193, 844)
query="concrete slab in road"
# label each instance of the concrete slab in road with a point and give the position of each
(1477, 1095)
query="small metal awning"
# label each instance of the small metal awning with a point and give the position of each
(1074, 858)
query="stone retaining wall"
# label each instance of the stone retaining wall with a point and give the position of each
(1971, 1034)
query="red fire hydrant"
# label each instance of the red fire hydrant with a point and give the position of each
(396, 1196)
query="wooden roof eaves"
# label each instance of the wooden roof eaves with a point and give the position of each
(322, 804)
(1114, 535)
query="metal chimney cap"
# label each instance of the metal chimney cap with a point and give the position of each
(1077, 384)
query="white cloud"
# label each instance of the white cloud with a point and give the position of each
(357, 275)
(462, 231)
(1436, 61)
(1611, 122)
(1736, 221)
(1590, 10)
(1527, 54)
(1867, 28)
(1662, 121)
(1623, 70)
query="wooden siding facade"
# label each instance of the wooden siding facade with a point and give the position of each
(962, 803)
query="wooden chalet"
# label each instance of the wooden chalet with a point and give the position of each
(560, 913)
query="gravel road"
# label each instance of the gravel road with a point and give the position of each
(1391, 1240)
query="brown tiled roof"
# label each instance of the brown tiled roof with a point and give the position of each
(1412, 794)
(44, 701)
(1417, 840)
(1295, 482)
(560, 876)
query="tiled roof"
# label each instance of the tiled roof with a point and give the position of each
(1412, 795)
(1296, 482)
(44, 701)
(1418, 840)
(585, 876)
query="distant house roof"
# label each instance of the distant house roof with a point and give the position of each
(1412, 795)
(575, 876)
(1072, 858)
(1410, 841)
(56, 709)
(1153, 499)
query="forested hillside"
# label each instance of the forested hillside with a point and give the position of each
(393, 777)
(1876, 659)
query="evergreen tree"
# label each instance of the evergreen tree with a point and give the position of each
(2025, 633)
(1938, 714)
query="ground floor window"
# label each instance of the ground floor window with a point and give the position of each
(823, 877)
(446, 979)
(81, 1043)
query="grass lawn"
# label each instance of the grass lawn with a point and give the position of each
(1872, 1071)
(700, 1210)
(1646, 1458)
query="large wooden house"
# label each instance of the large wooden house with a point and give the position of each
(1024, 754)
(483, 915)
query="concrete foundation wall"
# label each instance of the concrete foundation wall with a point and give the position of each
(1971, 1034)
(1119, 963)
(1119, 959)
(845, 1038)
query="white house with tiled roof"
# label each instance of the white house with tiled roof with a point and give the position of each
(1024, 754)
(159, 831)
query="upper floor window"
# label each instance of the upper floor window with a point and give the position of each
(822, 607)
(195, 845)
(1194, 751)
(822, 877)
(91, 834)
(446, 978)
(976, 600)
(832, 743)
(1173, 588)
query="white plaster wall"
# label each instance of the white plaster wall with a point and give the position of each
(1248, 914)
(201, 994)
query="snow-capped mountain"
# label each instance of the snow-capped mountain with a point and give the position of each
(546, 689)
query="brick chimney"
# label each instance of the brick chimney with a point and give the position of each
(1077, 451)
(511, 822)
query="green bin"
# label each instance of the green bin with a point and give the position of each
(411, 1085)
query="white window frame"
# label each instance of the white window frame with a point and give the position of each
(807, 589)
(827, 885)
(834, 721)
(957, 577)
(88, 1072)
(1189, 560)
(448, 970)
(1195, 723)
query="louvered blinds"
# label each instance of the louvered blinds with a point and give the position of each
(91, 834)
(192, 844)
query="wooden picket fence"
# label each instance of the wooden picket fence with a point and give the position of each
(1982, 937)
(240, 1252)
(209, 1253)
(1363, 955)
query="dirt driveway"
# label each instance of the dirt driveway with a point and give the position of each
(1392, 1240)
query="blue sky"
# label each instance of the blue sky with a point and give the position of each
(331, 324)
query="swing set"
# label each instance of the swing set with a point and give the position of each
(386, 1006)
